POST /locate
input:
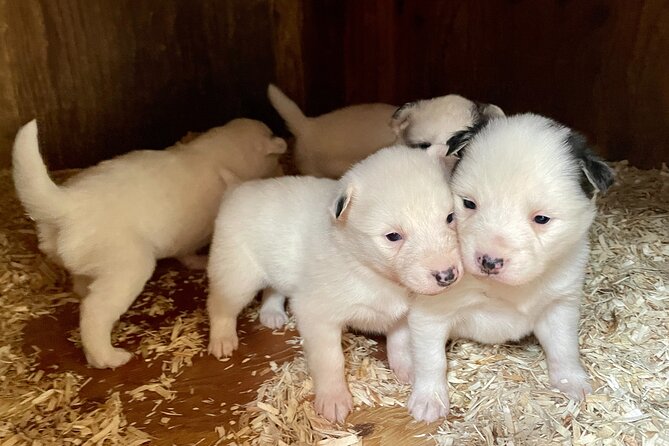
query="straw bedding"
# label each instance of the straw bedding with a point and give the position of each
(499, 393)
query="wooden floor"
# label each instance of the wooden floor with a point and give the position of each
(205, 391)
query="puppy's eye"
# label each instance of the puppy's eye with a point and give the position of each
(541, 219)
(421, 145)
(449, 219)
(469, 204)
(393, 236)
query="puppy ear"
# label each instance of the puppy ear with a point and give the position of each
(598, 176)
(457, 143)
(275, 145)
(400, 119)
(489, 111)
(342, 204)
(449, 163)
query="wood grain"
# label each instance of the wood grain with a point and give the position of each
(109, 76)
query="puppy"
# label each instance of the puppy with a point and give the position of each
(328, 145)
(347, 253)
(524, 202)
(108, 224)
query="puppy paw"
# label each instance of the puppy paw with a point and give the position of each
(334, 406)
(574, 383)
(428, 404)
(273, 318)
(223, 337)
(194, 261)
(111, 359)
(223, 346)
(403, 368)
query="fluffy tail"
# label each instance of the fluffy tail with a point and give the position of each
(41, 197)
(288, 109)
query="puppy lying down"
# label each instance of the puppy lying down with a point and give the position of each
(524, 203)
(328, 145)
(347, 253)
(108, 224)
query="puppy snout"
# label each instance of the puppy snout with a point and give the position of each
(490, 265)
(446, 277)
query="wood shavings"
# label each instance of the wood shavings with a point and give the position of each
(499, 393)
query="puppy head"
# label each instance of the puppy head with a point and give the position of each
(429, 124)
(394, 214)
(523, 190)
(247, 144)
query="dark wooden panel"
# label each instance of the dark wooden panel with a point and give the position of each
(9, 113)
(113, 75)
(288, 21)
(109, 76)
(600, 66)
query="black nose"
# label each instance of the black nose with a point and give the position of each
(491, 265)
(445, 278)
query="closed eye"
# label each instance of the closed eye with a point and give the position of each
(420, 145)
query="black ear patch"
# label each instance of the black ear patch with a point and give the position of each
(457, 143)
(339, 207)
(597, 175)
(403, 108)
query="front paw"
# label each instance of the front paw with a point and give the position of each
(575, 383)
(334, 406)
(273, 318)
(429, 404)
(109, 359)
(223, 339)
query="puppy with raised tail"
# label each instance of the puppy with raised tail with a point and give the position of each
(524, 203)
(328, 145)
(108, 224)
(346, 252)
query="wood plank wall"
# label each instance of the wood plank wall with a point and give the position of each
(109, 76)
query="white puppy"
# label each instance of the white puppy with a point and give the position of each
(347, 253)
(108, 224)
(328, 145)
(523, 190)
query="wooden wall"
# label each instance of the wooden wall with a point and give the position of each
(107, 76)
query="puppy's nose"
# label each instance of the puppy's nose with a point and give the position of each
(491, 265)
(447, 277)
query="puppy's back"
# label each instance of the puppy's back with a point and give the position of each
(275, 217)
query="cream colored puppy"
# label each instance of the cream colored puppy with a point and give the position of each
(347, 253)
(328, 145)
(108, 224)
(524, 190)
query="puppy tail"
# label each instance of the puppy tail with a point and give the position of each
(288, 109)
(41, 197)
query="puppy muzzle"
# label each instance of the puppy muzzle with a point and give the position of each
(446, 277)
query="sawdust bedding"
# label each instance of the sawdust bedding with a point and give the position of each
(499, 393)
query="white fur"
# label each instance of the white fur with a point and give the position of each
(517, 168)
(340, 271)
(328, 145)
(108, 224)
(434, 121)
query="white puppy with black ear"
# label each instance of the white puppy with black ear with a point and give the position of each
(429, 123)
(347, 253)
(108, 224)
(328, 145)
(524, 203)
